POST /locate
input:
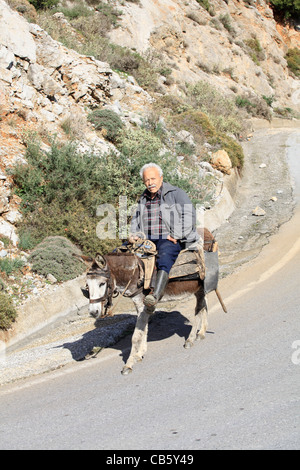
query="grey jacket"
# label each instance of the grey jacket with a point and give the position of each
(177, 211)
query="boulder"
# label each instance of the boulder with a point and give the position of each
(185, 136)
(13, 216)
(258, 211)
(4, 206)
(220, 160)
(7, 58)
(7, 230)
(15, 34)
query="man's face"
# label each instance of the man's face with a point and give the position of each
(152, 180)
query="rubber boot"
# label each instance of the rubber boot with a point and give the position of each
(160, 285)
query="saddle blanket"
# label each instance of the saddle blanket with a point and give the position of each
(187, 263)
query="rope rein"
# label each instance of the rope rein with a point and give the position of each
(110, 312)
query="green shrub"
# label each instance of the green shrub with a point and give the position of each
(293, 61)
(106, 121)
(5, 240)
(139, 143)
(76, 223)
(226, 22)
(55, 256)
(110, 12)
(60, 191)
(268, 99)
(43, 4)
(221, 111)
(207, 6)
(60, 174)
(8, 313)
(243, 102)
(255, 106)
(255, 50)
(286, 8)
(196, 122)
(9, 265)
(78, 9)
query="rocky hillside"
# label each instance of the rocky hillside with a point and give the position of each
(234, 46)
(43, 84)
(237, 45)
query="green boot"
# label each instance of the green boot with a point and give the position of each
(160, 285)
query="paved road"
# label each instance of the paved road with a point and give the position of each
(237, 389)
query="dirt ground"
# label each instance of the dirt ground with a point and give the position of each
(265, 184)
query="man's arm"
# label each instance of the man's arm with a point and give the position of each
(185, 228)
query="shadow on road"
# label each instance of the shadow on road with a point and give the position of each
(162, 325)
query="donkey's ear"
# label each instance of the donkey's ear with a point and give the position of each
(100, 261)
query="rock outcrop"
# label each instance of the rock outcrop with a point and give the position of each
(237, 46)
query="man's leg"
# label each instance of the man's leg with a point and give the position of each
(167, 255)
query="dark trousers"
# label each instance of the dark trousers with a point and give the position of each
(167, 254)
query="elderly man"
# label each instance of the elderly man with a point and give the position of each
(167, 217)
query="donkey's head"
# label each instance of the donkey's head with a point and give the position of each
(99, 287)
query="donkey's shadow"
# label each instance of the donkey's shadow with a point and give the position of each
(161, 326)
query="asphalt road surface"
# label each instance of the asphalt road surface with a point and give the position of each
(237, 389)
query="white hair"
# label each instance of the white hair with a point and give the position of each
(150, 165)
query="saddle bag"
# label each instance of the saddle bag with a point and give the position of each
(211, 271)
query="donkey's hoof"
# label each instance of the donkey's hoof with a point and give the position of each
(126, 370)
(150, 310)
(200, 336)
(150, 301)
(188, 344)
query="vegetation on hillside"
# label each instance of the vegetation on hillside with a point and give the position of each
(54, 255)
(286, 8)
(293, 60)
(8, 313)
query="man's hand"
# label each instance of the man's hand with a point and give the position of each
(171, 239)
(132, 238)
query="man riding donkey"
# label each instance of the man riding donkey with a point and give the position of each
(167, 217)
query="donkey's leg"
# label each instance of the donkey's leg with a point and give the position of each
(204, 322)
(140, 307)
(139, 338)
(199, 317)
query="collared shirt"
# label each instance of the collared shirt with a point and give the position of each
(155, 225)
